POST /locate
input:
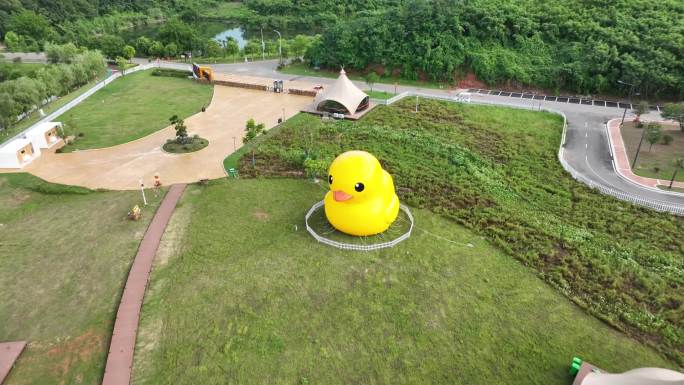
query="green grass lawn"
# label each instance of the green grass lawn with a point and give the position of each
(64, 256)
(133, 106)
(303, 69)
(48, 109)
(658, 161)
(495, 170)
(241, 294)
(379, 94)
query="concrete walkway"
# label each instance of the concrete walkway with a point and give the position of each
(622, 162)
(122, 167)
(122, 345)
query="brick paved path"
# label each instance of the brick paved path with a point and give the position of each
(122, 346)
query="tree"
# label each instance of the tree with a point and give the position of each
(653, 134)
(182, 35)
(212, 49)
(128, 52)
(371, 78)
(253, 48)
(30, 24)
(121, 63)
(9, 110)
(640, 109)
(171, 50)
(13, 42)
(300, 44)
(674, 111)
(142, 45)
(232, 47)
(181, 129)
(157, 49)
(112, 46)
(61, 53)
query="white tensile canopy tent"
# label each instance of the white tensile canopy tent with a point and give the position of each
(344, 93)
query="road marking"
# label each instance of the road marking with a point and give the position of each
(586, 145)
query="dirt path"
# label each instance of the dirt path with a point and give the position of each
(121, 167)
(122, 346)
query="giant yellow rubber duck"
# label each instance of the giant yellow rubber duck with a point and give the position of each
(361, 200)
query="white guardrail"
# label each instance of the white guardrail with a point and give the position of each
(52, 116)
(634, 199)
(352, 246)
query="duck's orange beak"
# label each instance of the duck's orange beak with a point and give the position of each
(341, 196)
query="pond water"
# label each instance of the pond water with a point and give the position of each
(237, 33)
(218, 31)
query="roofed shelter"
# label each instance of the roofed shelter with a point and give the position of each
(341, 97)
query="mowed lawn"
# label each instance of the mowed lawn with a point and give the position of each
(241, 294)
(131, 107)
(660, 160)
(64, 256)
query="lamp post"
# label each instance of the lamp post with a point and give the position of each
(629, 98)
(263, 46)
(280, 46)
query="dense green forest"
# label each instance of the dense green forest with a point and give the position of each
(581, 46)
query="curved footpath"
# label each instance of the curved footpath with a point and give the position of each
(122, 345)
(586, 149)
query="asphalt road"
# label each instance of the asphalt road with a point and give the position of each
(586, 145)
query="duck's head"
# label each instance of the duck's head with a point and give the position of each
(354, 176)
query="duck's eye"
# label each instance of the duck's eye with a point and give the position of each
(359, 187)
(330, 179)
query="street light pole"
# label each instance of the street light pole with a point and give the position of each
(280, 46)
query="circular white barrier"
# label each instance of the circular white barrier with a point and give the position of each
(351, 246)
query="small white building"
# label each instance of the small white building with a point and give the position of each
(24, 148)
(44, 135)
(17, 153)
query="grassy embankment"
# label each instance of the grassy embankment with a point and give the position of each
(146, 101)
(495, 170)
(241, 293)
(659, 161)
(65, 253)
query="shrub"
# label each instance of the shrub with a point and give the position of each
(316, 168)
(171, 73)
(667, 139)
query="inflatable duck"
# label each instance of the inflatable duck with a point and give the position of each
(361, 200)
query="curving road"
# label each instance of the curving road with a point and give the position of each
(586, 147)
